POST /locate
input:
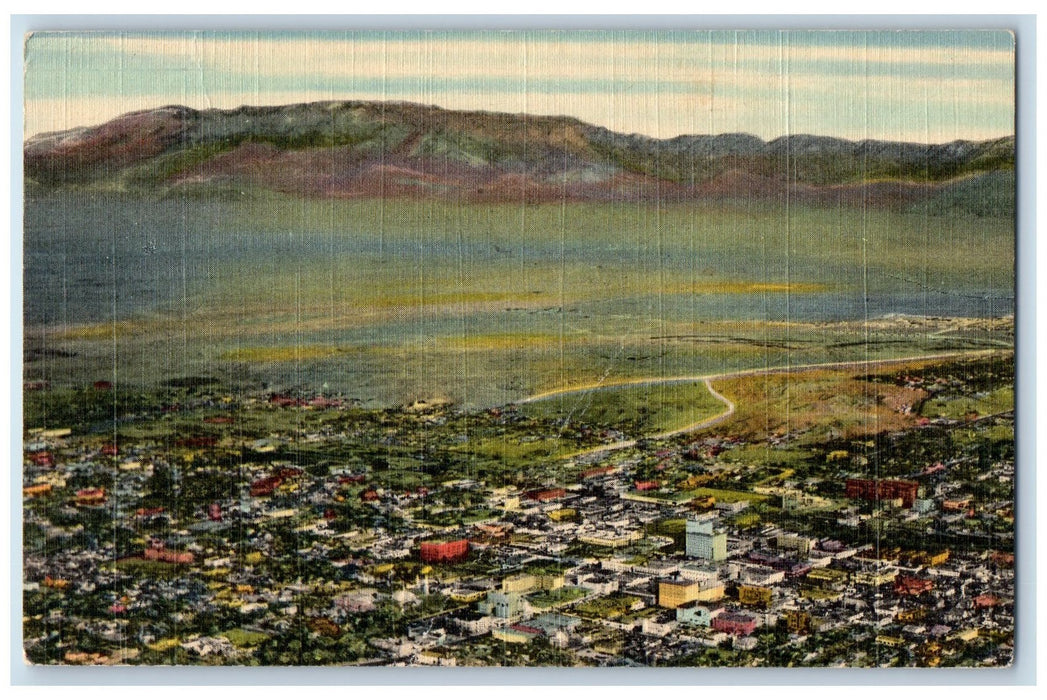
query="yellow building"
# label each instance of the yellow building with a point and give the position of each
(938, 559)
(964, 635)
(889, 641)
(525, 583)
(463, 595)
(798, 621)
(710, 593)
(827, 579)
(910, 615)
(930, 654)
(611, 539)
(795, 543)
(757, 596)
(673, 594)
(521, 583)
(875, 578)
(36, 490)
(550, 582)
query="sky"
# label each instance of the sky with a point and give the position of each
(911, 85)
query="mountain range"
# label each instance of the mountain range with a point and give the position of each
(394, 149)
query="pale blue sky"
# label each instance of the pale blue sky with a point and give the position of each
(908, 85)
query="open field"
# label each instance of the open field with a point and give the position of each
(486, 304)
(637, 410)
(835, 402)
(990, 403)
(819, 401)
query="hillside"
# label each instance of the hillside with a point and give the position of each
(368, 149)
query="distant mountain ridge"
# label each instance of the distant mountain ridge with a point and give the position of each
(384, 149)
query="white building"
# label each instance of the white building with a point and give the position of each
(704, 541)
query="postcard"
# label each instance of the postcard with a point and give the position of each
(549, 348)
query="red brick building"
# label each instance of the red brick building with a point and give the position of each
(169, 556)
(909, 585)
(43, 459)
(544, 495)
(90, 497)
(441, 551)
(877, 490)
(266, 486)
(1002, 559)
(737, 624)
(148, 512)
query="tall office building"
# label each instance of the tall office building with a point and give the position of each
(704, 541)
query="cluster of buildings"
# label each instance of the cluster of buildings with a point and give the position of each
(608, 565)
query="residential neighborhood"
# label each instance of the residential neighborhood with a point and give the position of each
(304, 529)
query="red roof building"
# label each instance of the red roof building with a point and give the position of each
(956, 505)
(526, 629)
(877, 490)
(147, 512)
(736, 624)
(90, 497)
(1002, 559)
(43, 459)
(441, 551)
(544, 495)
(169, 556)
(910, 585)
(266, 486)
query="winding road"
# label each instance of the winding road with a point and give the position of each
(729, 406)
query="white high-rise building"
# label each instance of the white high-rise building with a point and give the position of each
(704, 541)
